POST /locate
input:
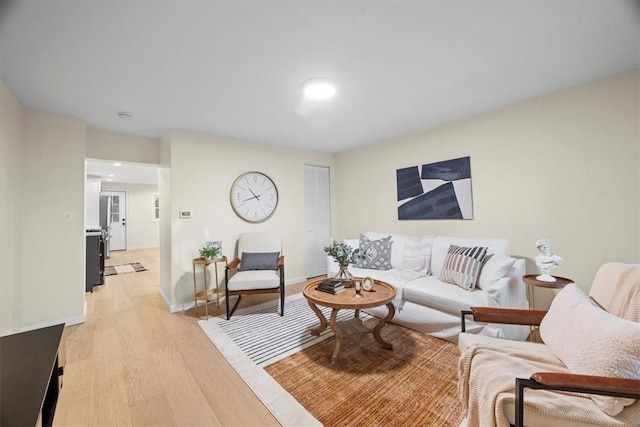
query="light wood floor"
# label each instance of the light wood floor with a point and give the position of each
(134, 363)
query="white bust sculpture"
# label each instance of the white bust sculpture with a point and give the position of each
(546, 260)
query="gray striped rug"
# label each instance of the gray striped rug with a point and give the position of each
(265, 337)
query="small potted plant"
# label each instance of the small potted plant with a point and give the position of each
(210, 252)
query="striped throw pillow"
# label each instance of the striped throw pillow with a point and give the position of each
(462, 266)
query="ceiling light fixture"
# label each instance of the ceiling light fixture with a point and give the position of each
(117, 164)
(318, 89)
(124, 115)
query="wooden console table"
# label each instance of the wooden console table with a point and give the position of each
(29, 374)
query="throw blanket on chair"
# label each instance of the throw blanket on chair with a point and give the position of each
(624, 279)
(486, 389)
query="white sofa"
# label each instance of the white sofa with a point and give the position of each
(427, 304)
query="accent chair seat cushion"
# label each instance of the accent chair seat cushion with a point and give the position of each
(254, 279)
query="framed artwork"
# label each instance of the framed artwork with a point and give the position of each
(216, 244)
(440, 190)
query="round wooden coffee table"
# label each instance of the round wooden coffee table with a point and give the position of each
(383, 293)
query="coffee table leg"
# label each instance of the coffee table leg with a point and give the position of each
(337, 333)
(323, 321)
(380, 325)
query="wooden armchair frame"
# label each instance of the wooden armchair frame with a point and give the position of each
(232, 267)
(578, 383)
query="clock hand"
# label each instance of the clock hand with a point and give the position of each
(254, 197)
(254, 194)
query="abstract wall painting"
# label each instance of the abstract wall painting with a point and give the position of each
(440, 190)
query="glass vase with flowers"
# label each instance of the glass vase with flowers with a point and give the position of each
(344, 255)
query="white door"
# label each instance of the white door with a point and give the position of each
(317, 208)
(118, 232)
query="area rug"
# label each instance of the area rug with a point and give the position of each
(133, 267)
(414, 384)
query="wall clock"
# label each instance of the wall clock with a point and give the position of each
(254, 196)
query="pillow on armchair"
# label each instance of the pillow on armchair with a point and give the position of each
(590, 341)
(259, 261)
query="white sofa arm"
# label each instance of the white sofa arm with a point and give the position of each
(511, 291)
(332, 266)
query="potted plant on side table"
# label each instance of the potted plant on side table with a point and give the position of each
(210, 252)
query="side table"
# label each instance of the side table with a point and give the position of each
(206, 294)
(531, 281)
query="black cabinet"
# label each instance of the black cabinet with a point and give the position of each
(95, 261)
(30, 377)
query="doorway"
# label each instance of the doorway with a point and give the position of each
(317, 208)
(115, 213)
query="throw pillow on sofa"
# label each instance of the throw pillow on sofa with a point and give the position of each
(494, 268)
(462, 266)
(377, 253)
(416, 255)
(590, 341)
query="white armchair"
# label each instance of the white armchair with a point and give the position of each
(258, 268)
(591, 348)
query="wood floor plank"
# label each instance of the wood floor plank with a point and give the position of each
(187, 402)
(109, 404)
(134, 363)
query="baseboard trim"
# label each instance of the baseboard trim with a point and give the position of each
(175, 308)
(67, 322)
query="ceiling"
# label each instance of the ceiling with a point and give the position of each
(234, 68)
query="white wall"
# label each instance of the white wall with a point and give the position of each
(53, 251)
(92, 203)
(142, 230)
(202, 170)
(105, 145)
(11, 157)
(563, 166)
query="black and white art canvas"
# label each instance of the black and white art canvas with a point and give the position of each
(440, 190)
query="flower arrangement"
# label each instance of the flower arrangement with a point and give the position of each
(343, 253)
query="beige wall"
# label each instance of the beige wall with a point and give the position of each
(562, 166)
(202, 170)
(11, 140)
(53, 251)
(142, 231)
(105, 145)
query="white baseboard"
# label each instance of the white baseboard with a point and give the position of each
(142, 247)
(175, 308)
(295, 280)
(67, 322)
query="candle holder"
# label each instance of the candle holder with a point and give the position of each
(358, 293)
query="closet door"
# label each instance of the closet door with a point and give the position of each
(317, 210)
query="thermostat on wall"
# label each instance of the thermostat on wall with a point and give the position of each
(185, 214)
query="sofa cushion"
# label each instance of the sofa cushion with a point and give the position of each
(377, 253)
(494, 268)
(432, 292)
(590, 341)
(462, 266)
(441, 246)
(416, 255)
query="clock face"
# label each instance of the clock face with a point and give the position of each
(254, 196)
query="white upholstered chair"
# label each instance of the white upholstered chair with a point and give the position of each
(591, 347)
(258, 268)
